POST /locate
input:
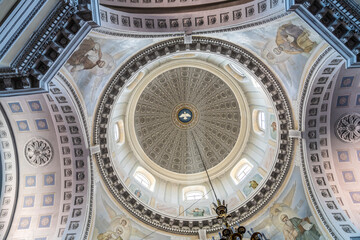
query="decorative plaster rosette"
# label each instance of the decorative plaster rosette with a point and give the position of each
(38, 152)
(348, 128)
(271, 86)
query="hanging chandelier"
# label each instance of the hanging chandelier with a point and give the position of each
(228, 233)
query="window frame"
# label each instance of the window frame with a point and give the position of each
(239, 167)
(261, 120)
(116, 132)
(245, 169)
(200, 189)
(142, 179)
(194, 195)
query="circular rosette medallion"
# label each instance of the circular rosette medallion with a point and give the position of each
(348, 128)
(185, 116)
(38, 152)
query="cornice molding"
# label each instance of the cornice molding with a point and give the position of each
(191, 22)
(24, 12)
(49, 48)
(337, 21)
(112, 32)
(160, 3)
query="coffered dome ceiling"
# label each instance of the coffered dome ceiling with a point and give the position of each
(183, 110)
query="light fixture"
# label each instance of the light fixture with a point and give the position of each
(228, 233)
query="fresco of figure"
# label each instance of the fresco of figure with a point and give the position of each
(138, 193)
(299, 229)
(88, 56)
(284, 222)
(197, 212)
(293, 39)
(287, 48)
(253, 184)
(115, 225)
(273, 127)
(276, 210)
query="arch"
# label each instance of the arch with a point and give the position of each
(116, 132)
(145, 178)
(191, 193)
(241, 170)
(328, 176)
(119, 132)
(259, 121)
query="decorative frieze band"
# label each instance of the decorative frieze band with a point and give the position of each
(189, 22)
(159, 3)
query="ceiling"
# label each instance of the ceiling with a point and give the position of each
(168, 89)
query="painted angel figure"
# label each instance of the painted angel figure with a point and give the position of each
(88, 56)
(285, 47)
